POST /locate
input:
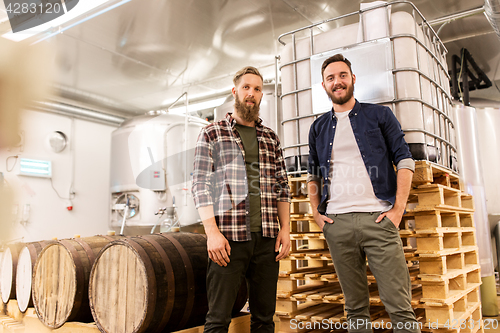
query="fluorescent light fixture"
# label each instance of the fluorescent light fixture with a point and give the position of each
(198, 106)
(55, 26)
(35, 168)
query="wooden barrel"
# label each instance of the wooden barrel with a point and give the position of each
(60, 279)
(153, 283)
(8, 271)
(24, 274)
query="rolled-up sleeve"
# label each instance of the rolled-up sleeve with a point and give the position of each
(406, 163)
(203, 173)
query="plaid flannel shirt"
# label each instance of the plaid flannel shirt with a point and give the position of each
(219, 178)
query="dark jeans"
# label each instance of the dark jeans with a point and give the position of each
(355, 237)
(256, 261)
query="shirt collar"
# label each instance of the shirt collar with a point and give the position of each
(355, 108)
(232, 121)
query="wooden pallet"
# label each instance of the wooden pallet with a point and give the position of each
(446, 241)
(439, 314)
(430, 196)
(435, 219)
(303, 223)
(415, 300)
(383, 321)
(414, 271)
(448, 264)
(332, 314)
(429, 173)
(447, 289)
(290, 310)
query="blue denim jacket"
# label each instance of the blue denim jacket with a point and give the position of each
(381, 144)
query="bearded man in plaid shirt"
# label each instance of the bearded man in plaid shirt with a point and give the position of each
(241, 191)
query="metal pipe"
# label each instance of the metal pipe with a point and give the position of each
(177, 100)
(276, 97)
(80, 113)
(466, 36)
(456, 16)
(125, 216)
(465, 81)
(185, 152)
(94, 99)
(185, 94)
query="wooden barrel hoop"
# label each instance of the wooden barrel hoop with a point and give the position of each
(170, 277)
(190, 278)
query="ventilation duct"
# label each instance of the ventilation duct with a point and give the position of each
(80, 113)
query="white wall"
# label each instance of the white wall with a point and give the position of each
(89, 145)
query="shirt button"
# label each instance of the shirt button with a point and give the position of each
(246, 212)
(328, 161)
(330, 143)
(333, 127)
(363, 155)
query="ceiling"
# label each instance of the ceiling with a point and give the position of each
(143, 54)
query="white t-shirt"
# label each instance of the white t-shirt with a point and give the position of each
(350, 186)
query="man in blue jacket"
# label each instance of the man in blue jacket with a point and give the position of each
(358, 199)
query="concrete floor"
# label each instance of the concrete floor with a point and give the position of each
(493, 322)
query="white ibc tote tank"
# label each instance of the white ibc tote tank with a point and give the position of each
(399, 62)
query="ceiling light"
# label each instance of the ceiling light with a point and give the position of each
(83, 11)
(198, 106)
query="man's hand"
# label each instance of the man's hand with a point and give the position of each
(321, 219)
(404, 179)
(282, 240)
(314, 189)
(395, 215)
(218, 248)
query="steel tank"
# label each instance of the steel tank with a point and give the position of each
(269, 107)
(151, 168)
(488, 122)
(470, 157)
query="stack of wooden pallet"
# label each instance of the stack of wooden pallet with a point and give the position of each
(308, 288)
(440, 248)
(309, 294)
(447, 251)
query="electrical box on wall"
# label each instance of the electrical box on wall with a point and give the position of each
(35, 168)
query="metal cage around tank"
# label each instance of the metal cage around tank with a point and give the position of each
(417, 91)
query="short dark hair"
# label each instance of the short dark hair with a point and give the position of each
(246, 70)
(336, 58)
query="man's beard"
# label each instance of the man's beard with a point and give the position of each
(341, 100)
(246, 112)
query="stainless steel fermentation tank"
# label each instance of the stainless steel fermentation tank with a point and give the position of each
(398, 60)
(151, 168)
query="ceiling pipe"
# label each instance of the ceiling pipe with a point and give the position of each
(456, 16)
(80, 113)
(492, 12)
(94, 99)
